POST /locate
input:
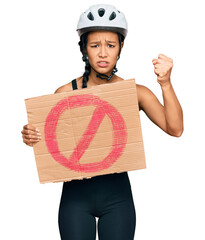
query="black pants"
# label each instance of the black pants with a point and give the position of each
(108, 197)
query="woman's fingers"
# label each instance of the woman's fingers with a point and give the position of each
(30, 130)
(30, 140)
(30, 135)
(29, 127)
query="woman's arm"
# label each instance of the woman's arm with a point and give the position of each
(173, 111)
(170, 116)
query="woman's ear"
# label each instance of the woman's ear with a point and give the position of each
(122, 43)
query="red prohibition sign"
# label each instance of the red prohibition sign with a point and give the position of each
(102, 108)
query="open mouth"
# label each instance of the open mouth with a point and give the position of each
(102, 64)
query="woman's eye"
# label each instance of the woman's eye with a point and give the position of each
(109, 45)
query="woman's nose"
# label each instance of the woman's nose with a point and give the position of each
(102, 51)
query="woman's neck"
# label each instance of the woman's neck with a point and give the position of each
(94, 80)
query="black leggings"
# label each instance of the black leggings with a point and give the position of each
(108, 197)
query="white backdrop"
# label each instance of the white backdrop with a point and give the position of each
(39, 52)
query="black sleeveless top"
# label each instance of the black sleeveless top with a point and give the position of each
(74, 84)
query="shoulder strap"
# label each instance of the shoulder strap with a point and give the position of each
(74, 84)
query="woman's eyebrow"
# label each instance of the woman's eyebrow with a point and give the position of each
(94, 42)
(99, 41)
(111, 41)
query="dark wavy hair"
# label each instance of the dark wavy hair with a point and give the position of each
(83, 44)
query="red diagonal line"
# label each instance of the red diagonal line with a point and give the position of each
(97, 117)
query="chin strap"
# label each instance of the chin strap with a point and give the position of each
(100, 75)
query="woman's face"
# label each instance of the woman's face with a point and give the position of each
(103, 50)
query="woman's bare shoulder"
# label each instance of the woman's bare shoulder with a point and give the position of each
(143, 91)
(65, 88)
(143, 94)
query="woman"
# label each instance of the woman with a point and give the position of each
(102, 30)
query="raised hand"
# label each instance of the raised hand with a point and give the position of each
(162, 68)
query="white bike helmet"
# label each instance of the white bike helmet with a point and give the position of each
(102, 17)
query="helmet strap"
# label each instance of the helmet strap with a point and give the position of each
(104, 76)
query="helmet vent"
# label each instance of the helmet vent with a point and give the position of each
(112, 16)
(101, 12)
(90, 16)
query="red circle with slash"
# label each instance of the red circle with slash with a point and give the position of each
(102, 108)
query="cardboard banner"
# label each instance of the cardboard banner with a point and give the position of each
(87, 132)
